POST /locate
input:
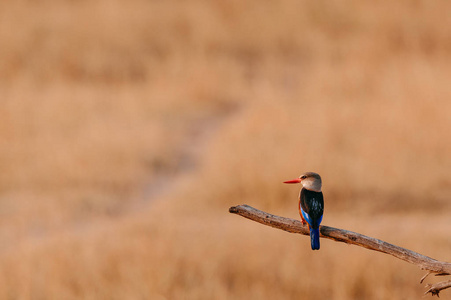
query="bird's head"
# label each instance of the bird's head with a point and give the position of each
(310, 180)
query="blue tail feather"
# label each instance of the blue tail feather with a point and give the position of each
(314, 238)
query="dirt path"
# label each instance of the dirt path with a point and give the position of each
(198, 135)
(189, 157)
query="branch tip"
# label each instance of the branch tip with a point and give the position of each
(233, 210)
(424, 277)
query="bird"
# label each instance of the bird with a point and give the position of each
(311, 204)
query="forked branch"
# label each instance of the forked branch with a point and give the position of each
(349, 237)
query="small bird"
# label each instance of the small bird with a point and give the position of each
(311, 204)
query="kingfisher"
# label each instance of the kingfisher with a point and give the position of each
(311, 204)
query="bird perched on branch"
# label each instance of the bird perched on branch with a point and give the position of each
(311, 204)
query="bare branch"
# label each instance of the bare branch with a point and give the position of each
(349, 237)
(435, 289)
(424, 277)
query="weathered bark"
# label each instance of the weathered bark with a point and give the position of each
(349, 237)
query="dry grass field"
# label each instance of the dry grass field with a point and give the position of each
(128, 129)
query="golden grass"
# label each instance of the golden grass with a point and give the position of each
(128, 129)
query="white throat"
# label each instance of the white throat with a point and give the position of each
(312, 184)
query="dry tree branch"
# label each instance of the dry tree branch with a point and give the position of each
(349, 237)
(435, 289)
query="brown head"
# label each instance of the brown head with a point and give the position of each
(310, 181)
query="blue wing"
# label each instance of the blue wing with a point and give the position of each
(307, 217)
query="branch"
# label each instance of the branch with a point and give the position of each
(435, 289)
(349, 237)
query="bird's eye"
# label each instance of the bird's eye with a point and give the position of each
(303, 177)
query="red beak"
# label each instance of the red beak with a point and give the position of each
(297, 180)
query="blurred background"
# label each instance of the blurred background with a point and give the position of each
(128, 128)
